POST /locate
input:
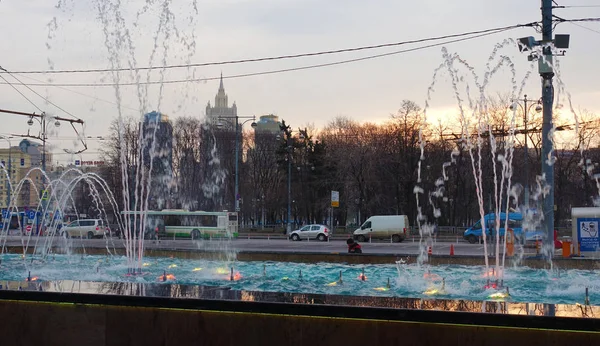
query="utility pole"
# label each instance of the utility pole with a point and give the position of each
(544, 57)
(547, 73)
(289, 208)
(238, 127)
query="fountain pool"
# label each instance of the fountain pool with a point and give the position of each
(410, 281)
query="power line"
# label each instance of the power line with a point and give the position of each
(35, 92)
(579, 19)
(279, 70)
(280, 57)
(19, 91)
(578, 6)
(585, 27)
(41, 83)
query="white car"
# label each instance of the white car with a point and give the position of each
(320, 232)
(89, 228)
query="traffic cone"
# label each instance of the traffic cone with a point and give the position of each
(430, 251)
(451, 249)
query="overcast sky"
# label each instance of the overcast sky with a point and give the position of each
(236, 29)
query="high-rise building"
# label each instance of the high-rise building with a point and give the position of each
(268, 124)
(221, 108)
(157, 133)
(23, 158)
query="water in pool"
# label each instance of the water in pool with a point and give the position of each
(401, 280)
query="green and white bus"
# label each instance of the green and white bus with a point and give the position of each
(171, 223)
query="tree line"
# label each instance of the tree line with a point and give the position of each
(377, 168)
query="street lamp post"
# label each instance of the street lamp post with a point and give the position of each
(9, 182)
(238, 127)
(526, 108)
(289, 148)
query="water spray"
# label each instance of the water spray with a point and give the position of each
(443, 283)
(264, 270)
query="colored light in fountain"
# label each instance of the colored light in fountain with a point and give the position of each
(146, 264)
(432, 276)
(362, 277)
(285, 278)
(381, 289)
(237, 276)
(492, 272)
(500, 295)
(221, 271)
(33, 278)
(196, 269)
(332, 284)
(166, 277)
(173, 265)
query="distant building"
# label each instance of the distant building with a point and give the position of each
(23, 158)
(268, 124)
(157, 133)
(221, 108)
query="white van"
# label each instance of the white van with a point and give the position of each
(383, 227)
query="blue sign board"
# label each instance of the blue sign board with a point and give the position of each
(587, 234)
(77, 162)
(31, 214)
(4, 213)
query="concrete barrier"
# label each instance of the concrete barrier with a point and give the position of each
(65, 319)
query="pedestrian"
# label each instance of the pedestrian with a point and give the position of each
(353, 247)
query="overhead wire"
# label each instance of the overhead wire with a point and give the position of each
(19, 91)
(36, 93)
(291, 69)
(41, 83)
(280, 57)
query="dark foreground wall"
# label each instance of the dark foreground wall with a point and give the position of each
(39, 318)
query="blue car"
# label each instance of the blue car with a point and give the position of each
(515, 222)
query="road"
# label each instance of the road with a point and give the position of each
(273, 245)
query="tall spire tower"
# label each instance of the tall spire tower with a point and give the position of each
(221, 107)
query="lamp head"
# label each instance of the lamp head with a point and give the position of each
(254, 124)
(57, 123)
(538, 108)
(526, 43)
(30, 122)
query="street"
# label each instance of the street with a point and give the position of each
(407, 247)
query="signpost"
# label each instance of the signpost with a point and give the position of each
(335, 203)
(335, 199)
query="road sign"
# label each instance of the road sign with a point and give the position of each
(77, 163)
(28, 229)
(335, 199)
(45, 195)
(4, 213)
(31, 214)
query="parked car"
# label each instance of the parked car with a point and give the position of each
(319, 232)
(88, 228)
(383, 227)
